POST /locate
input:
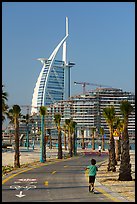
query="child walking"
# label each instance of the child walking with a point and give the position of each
(92, 174)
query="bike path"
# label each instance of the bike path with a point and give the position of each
(60, 180)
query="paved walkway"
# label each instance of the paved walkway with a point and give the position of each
(108, 184)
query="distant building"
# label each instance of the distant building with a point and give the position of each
(87, 110)
(53, 83)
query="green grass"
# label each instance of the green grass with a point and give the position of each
(8, 168)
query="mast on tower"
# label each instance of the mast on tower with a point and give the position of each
(64, 56)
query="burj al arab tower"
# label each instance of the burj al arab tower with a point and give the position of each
(53, 83)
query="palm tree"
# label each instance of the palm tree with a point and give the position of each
(73, 132)
(65, 138)
(102, 133)
(109, 115)
(83, 142)
(75, 139)
(4, 105)
(70, 125)
(125, 166)
(67, 124)
(43, 137)
(93, 137)
(118, 126)
(50, 139)
(57, 120)
(14, 114)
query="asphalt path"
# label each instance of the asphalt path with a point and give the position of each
(57, 181)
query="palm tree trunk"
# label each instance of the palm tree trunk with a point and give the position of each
(117, 150)
(83, 143)
(17, 153)
(75, 142)
(69, 142)
(112, 160)
(68, 139)
(70, 150)
(93, 142)
(42, 156)
(125, 166)
(65, 142)
(59, 144)
(120, 143)
(74, 147)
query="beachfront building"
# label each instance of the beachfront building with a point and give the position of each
(53, 83)
(87, 110)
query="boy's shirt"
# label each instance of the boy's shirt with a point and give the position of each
(92, 170)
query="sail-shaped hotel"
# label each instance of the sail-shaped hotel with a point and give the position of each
(53, 83)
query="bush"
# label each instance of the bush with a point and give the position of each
(6, 169)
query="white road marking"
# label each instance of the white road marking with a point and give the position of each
(27, 179)
(20, 195)
(29, 187)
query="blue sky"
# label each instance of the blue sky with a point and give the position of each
(101, 43)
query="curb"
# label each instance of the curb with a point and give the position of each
(107, 192)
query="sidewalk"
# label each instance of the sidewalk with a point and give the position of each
(109, 180)
(108, 184)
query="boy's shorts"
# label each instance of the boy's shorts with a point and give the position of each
(91, 179)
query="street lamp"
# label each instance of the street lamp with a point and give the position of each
(27, 136)
(33, 136)
(27, 130)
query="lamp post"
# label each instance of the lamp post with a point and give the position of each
(27, 130)
(27, 136)
(33, 136)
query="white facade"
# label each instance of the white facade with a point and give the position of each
(53, 83)
(87, 110)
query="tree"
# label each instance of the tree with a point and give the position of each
(72, 132)
(57, 120)
(14, 114)
(93, 137)
(65, 138)
(71, 127)
(67, 124)
(50, 138)
(83, 142)
(118, 126)
(125, 166)
(102, 133)
(4, 104)
(109, 115)
(43, 137)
